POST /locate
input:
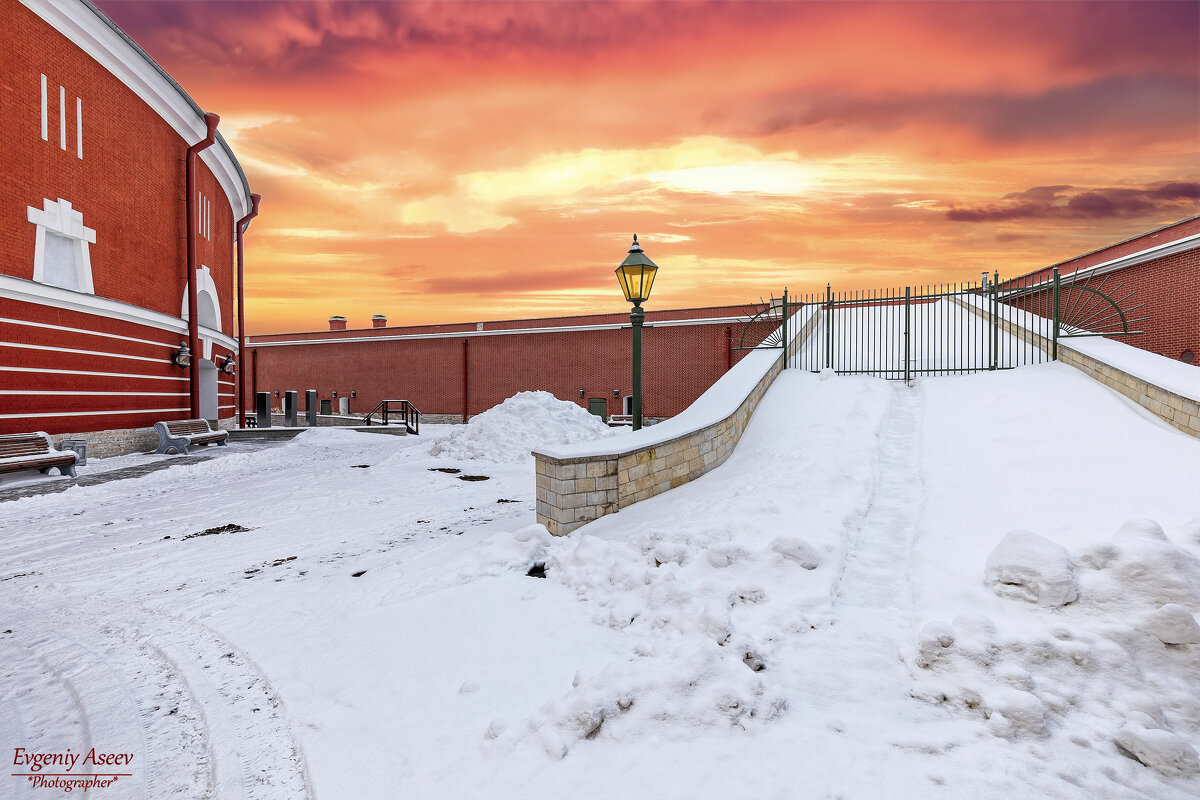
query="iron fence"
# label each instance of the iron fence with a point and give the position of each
(946, 329)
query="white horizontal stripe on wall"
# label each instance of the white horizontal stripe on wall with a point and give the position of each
(97, 394)
(87, 332)
(80, 352)
(27, 291)
(94, 413)
(38, 371)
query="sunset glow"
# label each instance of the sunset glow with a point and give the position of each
(442, 161)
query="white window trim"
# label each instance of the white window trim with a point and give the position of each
(62, 117)
(45, 113)
(58, 217)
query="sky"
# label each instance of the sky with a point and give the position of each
(447, 161)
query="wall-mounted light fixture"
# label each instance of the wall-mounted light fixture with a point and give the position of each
(353, 393)
(581, 392)
(228, 365)
(616, 392)
(183, 356)
(277, 393)
(333, 394)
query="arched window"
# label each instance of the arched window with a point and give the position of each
(208, 307)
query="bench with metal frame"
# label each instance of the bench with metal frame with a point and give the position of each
(180, 435)
(22, 451)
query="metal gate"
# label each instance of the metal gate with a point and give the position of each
(947, 329)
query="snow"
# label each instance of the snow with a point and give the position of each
(813, 618)
(1173, 624)
(1031, 567)
(524, 422)
(1165, 373)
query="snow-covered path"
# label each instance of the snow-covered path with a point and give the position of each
(809, 620)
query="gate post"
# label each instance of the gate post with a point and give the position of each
(785, 328)
(828, 326)
(907, 305)
(995, 320)
(1054, 342)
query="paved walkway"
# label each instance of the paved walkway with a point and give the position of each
(134, 471)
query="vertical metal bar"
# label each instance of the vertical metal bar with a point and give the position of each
(1057, 289)
(858, 345)
(992, 340)
(907, 304)
(783, 327)
(828, 326)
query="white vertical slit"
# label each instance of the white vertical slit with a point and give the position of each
(79, 127)
(199, 211)
(45, 113)
(62, 118)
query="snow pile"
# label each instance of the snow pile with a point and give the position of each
(1116, 665)
(526, 421)
(1031, 567)
(692, 607)
(714, 586)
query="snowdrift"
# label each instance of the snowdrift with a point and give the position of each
(526, 421)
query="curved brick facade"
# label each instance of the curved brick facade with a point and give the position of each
(95, 136)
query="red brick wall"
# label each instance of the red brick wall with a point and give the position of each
(679, 363)
(1168, 291)
(129, 185)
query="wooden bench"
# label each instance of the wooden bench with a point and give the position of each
(179, 435)
(21, 451)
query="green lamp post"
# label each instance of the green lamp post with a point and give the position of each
(636, 276)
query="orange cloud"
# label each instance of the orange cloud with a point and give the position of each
(441, 161)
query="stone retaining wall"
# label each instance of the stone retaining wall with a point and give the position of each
(119, 442)
(1175, 409)
(574, 491)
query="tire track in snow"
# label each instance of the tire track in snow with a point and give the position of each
(202, 717)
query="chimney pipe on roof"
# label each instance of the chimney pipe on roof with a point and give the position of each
(337, 323)
(379, 321)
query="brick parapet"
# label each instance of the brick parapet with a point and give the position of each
(1175, 409)
(574, 491)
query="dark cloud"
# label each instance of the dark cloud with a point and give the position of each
(1116, 103)
(1068, 202)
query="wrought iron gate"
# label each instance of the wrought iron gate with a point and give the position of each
(939, 330)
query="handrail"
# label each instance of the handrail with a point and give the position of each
(410, 413)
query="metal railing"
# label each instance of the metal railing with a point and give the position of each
(946, 329)
(391, 408)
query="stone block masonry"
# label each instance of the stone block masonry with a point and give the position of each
(1178, 411)
(573, 491)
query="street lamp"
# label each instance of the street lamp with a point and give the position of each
(636, 276)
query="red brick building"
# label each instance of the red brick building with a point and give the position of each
(1158, 271)
(456, 370)
(96, 226)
